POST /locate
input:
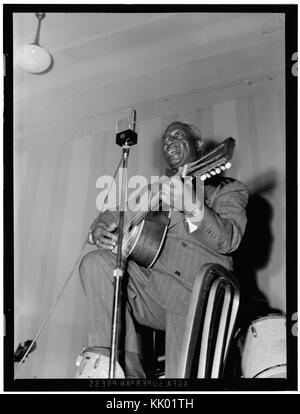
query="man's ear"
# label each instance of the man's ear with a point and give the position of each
(199, 144)
(197, 136)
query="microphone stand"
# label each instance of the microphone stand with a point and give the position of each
(125, 139)
(118, 271)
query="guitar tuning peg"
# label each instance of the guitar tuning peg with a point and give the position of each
(203, 177)
(222, 167)
(212, 172)
(227, 165)
(218, 170)
(207, 175)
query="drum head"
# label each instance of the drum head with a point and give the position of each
(274, 372)
(265, 348)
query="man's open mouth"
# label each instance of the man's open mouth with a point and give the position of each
(173, 151)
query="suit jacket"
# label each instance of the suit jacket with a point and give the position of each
(170, 280)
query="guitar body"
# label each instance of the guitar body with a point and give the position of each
(151, 238)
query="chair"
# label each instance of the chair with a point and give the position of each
(210, 323)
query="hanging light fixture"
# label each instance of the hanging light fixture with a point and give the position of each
(33, 58)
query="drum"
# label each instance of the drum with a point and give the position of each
(91, 364)
(264, 351)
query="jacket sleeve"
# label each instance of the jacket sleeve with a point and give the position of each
(224, 220)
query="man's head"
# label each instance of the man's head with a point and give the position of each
(181, 144)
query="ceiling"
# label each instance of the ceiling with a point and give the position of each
(107, 61)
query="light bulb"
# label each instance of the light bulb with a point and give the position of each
(33, 58)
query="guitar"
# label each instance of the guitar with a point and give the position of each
(145, 231)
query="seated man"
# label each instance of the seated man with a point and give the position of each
(158, 297)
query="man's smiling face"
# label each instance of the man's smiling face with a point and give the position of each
(178, 147)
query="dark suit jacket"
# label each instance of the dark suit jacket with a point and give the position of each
(171, 278)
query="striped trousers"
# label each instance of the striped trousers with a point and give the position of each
(138, 307)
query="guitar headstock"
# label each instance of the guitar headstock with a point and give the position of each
(214, 162)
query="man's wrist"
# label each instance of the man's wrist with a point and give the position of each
(195, 213)
(194, 218)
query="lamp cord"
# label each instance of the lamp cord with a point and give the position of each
(67, 280)
(40, 17)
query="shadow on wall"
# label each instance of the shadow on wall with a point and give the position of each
(255, 250)
(252, 255)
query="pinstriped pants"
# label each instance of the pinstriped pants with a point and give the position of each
(96, 272)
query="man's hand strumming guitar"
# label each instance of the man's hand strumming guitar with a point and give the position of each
(103, 236)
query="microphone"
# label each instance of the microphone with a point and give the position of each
(125, 127)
